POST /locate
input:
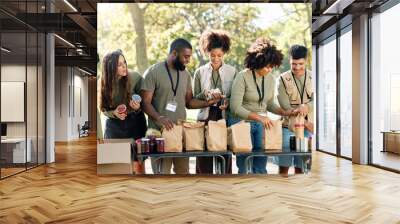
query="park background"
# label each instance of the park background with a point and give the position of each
(143, 31)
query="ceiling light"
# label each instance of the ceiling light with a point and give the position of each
(5, 50)
(337, 7)
(64, 40)
(84, 71)
(70, 5)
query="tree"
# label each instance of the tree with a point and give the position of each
(137, 14)
(144, 31)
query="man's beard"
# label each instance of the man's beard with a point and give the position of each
(179, 65)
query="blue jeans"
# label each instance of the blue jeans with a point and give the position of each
(257, 135)
(287, 161)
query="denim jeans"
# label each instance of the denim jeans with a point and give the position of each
(257, 134)
(287, 161)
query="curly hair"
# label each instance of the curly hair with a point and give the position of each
(212, 39)
(261, 54)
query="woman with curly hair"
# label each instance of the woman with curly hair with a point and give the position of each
(253, 96)
(125, 119)
(213, 80)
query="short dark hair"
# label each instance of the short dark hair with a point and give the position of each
(261, 54)
(179, 44)
(298, 51)
(212, 39)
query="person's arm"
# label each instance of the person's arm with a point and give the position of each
(107, 113)
(310, 105)
(283, 97)
(147, 92)
(197, 92)
(148, 108)
(236, 100)
(194, 103)
(228, 96)
(137, 82)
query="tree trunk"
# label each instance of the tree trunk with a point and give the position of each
(137, 15)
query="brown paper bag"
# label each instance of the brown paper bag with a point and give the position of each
(239, 137)
(193, 136)
(173, 139)
(217, 136)
(273, 137)
(296, 125)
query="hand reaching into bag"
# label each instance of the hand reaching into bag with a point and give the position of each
(165, 122)
(266, 121)
(303, 109)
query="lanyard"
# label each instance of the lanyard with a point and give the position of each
(304, 85)
(170, 79)
(215, 82)
(260, 95)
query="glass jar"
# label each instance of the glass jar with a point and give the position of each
(145, 146)
(160, 145)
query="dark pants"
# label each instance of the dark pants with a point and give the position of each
(134, 126)
(204, 165)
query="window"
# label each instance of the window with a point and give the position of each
(327, 96)
(385, 84)
(346, 93)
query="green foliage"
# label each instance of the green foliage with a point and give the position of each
(165, 22)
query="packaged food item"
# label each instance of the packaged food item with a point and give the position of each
(136, 98)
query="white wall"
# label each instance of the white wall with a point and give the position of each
(70, 83)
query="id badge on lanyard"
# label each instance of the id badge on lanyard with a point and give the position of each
(172, 105)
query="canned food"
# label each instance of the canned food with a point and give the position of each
(298, 144)
(160, 145)
(145, 146)
(136, 98)
(121, 108)
(292, 143)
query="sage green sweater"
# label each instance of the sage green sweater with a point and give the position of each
(245, 98)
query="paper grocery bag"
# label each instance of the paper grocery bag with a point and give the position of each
(239, 137)
(173, 139)
(193, 136)
(273, 137)
(296, 125)
(217, 136)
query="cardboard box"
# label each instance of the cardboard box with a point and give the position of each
(114, 156)
(393, 142)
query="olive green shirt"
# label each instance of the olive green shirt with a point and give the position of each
(119, 97)
(198, 92)
(245, 98)
(156, 80)
(283, 97)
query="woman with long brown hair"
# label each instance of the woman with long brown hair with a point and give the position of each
(117, 86)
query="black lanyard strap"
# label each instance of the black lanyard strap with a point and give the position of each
(304, 86)
(170, 79)
(260, 94)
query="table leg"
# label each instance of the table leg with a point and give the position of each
(223, 165)
(158, 164)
